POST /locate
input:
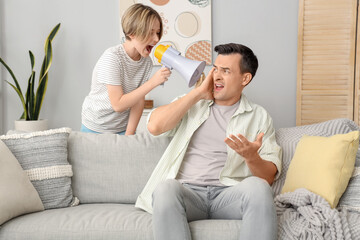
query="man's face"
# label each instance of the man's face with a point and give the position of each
(228, 80)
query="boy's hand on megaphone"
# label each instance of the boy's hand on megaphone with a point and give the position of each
(161, 76)
(206, 89)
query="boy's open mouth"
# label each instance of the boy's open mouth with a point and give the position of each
(149, 48)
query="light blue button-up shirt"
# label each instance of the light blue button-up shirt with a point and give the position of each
(249, 120)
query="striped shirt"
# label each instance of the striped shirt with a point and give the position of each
(249, 120)
(114, 67)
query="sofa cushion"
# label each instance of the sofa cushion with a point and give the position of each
(17, 195)
(111, 168)
(86, 221)
(288, 138)
(104, 222)
(43, 156)
(323, 165)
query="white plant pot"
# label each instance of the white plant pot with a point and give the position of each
(31, 126)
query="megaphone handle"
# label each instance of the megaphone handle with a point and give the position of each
(168, 67)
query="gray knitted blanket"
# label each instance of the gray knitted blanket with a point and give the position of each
(305, 215)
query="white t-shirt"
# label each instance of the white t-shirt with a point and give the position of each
(114, 67)
(206, 154)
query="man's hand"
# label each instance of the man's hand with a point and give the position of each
(249, 150)
(242, 146)
(206, 89)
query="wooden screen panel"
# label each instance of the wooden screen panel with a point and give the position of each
(357, 77)
(357, 111)
(317, 107)
(326, 59)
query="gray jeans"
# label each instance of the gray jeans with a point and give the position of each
(174, 205)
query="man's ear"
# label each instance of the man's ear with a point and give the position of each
(246, 79)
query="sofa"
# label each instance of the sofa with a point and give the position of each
(94, 192)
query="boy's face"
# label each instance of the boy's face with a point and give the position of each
(144, 47)
(228, 79)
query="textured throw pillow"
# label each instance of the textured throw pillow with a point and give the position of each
(17, 195)
(43, 156)
(323, 165)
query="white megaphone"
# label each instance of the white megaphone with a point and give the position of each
(191, 70)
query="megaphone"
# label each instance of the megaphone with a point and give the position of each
(190, 69)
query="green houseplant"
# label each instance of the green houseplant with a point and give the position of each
(32, 101)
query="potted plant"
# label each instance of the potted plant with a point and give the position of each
(32, 101)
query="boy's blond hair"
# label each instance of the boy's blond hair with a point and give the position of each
(138, 20)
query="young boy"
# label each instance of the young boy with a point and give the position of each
(120, 78)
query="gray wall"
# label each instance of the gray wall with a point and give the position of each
(89, 27)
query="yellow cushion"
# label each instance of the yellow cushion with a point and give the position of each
(323, 165)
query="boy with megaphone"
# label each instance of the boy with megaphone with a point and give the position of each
(121, 77)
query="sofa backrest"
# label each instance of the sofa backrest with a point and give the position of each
(111, 168)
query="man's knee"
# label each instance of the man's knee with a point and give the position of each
(258, 190)
(166, 192)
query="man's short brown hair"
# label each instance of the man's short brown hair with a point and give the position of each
(248, 62)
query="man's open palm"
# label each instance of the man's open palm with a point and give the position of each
(244, 147)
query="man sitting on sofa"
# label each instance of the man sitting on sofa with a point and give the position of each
(223, 156)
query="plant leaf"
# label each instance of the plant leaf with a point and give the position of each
(46, 62)
(13, 76)
(43, 78)
(27, 97)
(22, 116)
(20, 95)
(32, 60)
(53, 33)
(32, 97)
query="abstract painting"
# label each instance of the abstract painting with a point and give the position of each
(186, 24)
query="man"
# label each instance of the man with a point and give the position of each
(223, 156)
